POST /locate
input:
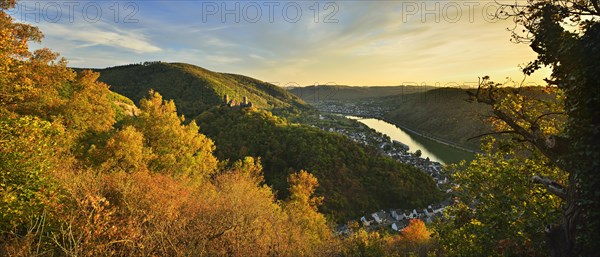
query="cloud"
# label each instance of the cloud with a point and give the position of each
(372, 43)
(90, 34)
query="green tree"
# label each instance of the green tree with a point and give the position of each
(28, 156)
(499, 210)
(566, 36)
(418, 153)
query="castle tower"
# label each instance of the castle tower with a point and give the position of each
(226, 98)
(245, 101)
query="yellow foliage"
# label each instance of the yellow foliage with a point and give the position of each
(125, 151)
(416, 231)
(178, 148)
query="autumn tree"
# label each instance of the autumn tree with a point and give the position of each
(566, 36)
(416, 231)
(251, 167)
(14, 36)
(39, 83)
(178, 148)
(413, 240)
(87, 107)
(367, 244)
(31, 147)
(124, 151)
(309, 225)
(27, 159)
(243, 219)
(415, 237)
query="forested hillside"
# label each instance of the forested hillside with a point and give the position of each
(341, 93)
(354, 179)
(193, 88)
(441, 113)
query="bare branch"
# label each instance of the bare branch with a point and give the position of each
(552, 186)
(596, 6)
(552, 148)
(493, 133)
(552, 82)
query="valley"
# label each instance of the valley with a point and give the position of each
(440, 114)
(276, 113)
(214, 148)
(287, 135)
(303, 128)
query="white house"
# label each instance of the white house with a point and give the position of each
(439, 210)
(376, 217)
(427, 213)
(395, 215)
(364, 221)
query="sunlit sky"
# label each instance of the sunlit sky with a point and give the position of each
(290, 43)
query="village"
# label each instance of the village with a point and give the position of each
(363, 108)
(393, 219)
(331, 119)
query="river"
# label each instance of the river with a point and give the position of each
(436, 151)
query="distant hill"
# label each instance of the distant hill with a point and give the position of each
(194, 89)
(328, 92)
(440, 113)
(445, 114)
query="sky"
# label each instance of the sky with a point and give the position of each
(290, 43)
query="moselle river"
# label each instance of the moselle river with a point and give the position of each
(429, 148)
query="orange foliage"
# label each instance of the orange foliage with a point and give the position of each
(416, 231)
(144, 213)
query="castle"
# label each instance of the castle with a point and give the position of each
(232, 103)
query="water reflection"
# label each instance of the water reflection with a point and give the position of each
(435, 151)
